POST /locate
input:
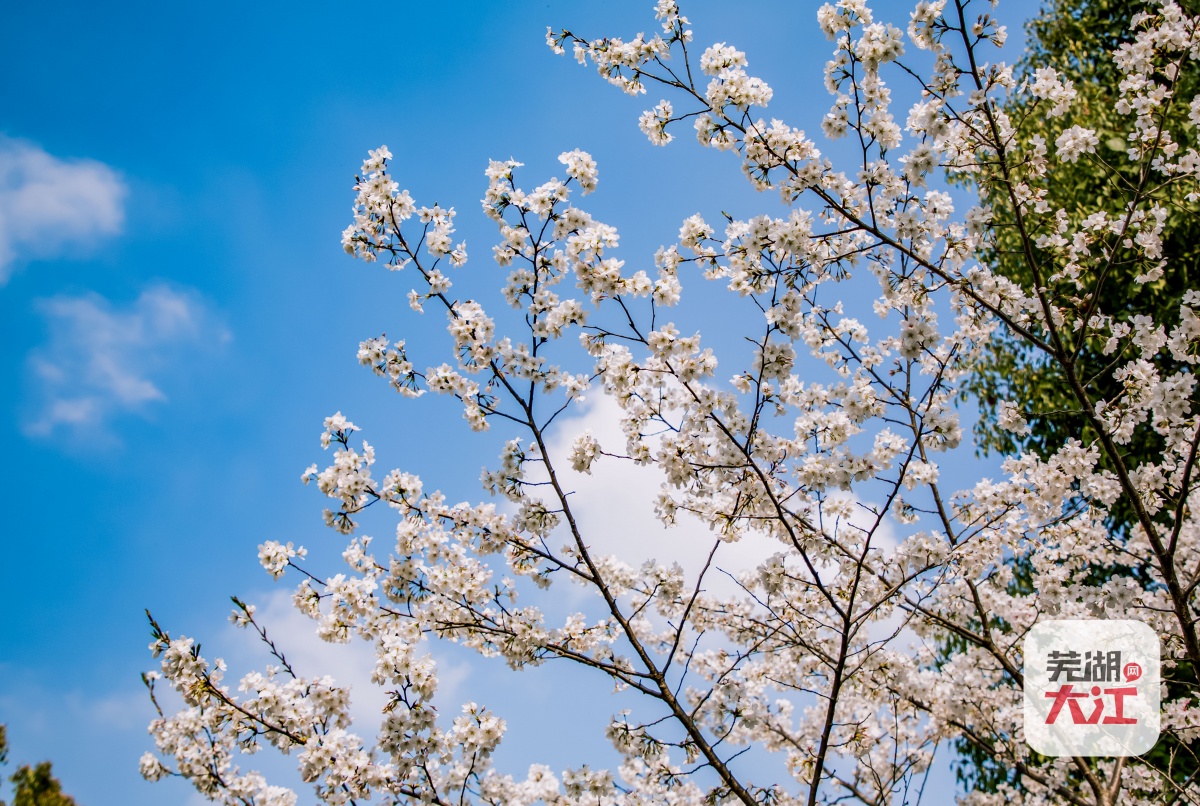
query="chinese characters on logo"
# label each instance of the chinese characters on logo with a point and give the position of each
(1097, 701)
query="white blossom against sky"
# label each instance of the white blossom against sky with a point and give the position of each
(177, 315)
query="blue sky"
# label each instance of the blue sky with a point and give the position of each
(177, 315)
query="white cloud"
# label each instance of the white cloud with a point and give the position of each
(99, 360)
(49, 205)
(615, 506)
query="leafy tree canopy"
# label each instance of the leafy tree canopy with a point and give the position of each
(33, 786)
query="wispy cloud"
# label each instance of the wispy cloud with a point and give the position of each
(101, 360)
(615, 507)
(49, 205)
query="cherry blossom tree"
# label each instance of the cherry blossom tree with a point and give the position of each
(828, 441)
(1076, 38)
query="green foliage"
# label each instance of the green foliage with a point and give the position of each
(1076, 38)
(33, 786)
